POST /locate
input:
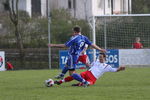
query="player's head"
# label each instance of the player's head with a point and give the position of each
(77, 29)
(137, 39)
(102, 57)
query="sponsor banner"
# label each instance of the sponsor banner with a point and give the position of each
(63, 56)
(2, 61)
(134, 57)
(112, 58)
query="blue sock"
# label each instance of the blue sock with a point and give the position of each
(77, 77)
(64, 71)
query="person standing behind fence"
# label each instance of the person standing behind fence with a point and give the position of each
(137, 44)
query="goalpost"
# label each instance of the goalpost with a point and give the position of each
(119, 31)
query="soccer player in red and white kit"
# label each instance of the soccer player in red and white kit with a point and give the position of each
(98, 68)
(137, 44)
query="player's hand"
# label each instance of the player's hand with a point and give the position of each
(103, 51)
(57, 45)
(122, 68)
(51, 45)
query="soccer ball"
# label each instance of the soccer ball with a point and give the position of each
(49, 83)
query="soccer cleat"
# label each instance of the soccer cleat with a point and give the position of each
(57, 82)
(86, 84)
(78, 84)
(60, 76)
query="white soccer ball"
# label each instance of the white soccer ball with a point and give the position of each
(49, 83)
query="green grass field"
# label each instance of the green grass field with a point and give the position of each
(131, 84)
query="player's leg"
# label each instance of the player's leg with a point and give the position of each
(72, 72)
(85, 60)
(88, 76)
(64, 71)
(70, 65)
(82, 74)
(66, 79)
(80, 79)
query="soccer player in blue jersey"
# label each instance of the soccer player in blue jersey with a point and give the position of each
(76, 45)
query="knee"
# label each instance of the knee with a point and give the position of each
(74, 75)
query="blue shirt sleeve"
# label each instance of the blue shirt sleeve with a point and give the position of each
(69, 43)
(87, 41)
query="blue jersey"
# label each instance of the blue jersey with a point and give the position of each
(77, 43)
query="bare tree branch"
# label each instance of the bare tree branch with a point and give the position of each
(16, 9)
(13, 14)
(9, 9)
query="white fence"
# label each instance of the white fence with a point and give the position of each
(134, 57)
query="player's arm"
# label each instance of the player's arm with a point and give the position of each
(57, 45)
(110, 69)
(133, 45)
(94, 45)
(141, 45)
(98, 48)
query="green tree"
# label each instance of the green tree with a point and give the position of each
(140, 6)
(62, 24)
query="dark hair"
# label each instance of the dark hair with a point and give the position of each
(104, 55)
(77, 29)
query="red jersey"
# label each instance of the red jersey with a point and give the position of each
(137, 45)
(9, 66)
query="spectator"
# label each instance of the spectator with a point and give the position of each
(137, 44)
(9, 65)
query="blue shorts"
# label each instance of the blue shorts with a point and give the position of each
(72, 61)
